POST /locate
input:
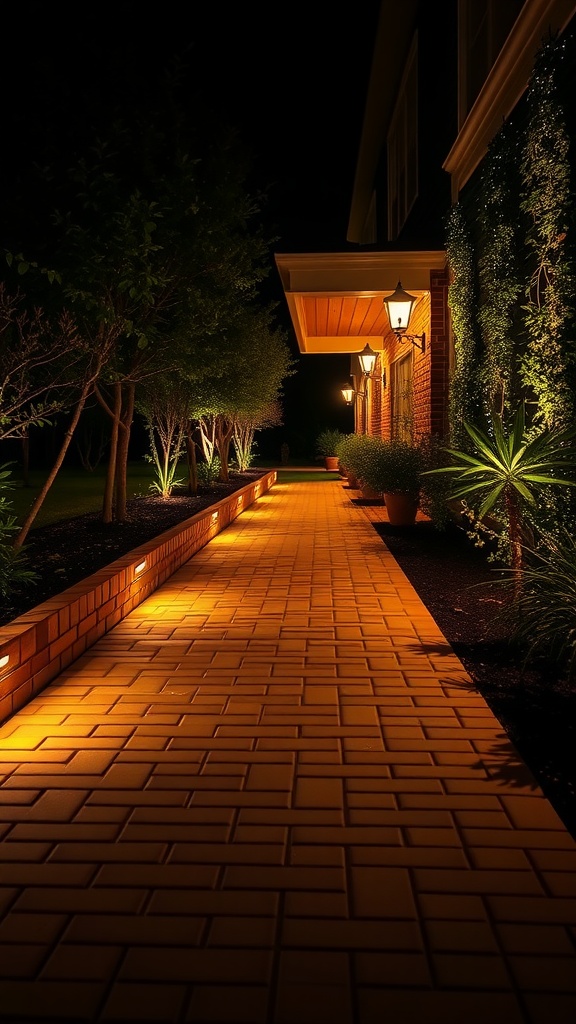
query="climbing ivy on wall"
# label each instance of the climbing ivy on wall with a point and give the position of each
(500, 280)
(547, 198)
(511, 248)
(462, 299)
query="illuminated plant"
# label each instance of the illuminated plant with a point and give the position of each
(506, 470)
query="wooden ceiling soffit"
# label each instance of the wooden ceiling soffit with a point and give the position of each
(335, 300)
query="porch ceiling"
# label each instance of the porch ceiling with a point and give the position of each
(335, 299)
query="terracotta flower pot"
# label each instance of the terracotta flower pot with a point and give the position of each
(331, 463)
(401, 509)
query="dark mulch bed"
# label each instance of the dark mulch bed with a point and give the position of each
(71, 550)
(535, 705)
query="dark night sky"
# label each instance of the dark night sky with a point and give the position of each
(292, 78)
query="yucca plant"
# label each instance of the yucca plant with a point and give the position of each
(508, 469)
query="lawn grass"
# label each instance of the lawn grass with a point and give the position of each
(76, 491)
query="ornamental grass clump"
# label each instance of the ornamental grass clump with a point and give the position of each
(543, 621)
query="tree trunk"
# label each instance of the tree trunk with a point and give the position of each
(26, 459)
(121, 479)
(192, 463)
(207, 431)
(37, 505)
(224, 431)
(114, 413)
(515, 535)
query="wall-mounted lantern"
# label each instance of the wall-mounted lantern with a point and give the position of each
(399, 307)
(348, 394)
(367, 358)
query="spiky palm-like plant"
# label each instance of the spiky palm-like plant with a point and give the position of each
(507, 469)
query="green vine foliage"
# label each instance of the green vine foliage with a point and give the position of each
(464, 399)
(500, 280)
(549, 363)
(514, 318)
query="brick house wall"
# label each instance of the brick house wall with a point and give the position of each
(430, 370)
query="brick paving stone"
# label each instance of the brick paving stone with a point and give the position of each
(327, 856)
(250, 966)
(82, 963)
(304, 933)
(461, 936)
(538, 910)
(271, 795)
(239, 932)
(539, 939)
(470, 971)
(126, 930)
(144, 1002)
(314, 987)
(21, 960)
(231, 853)
(438, 1007)
(393, 969)
(50, 1000)
(382, 893)
(402, 856)
(235, 1004)
(23, 851)
(39, 927)
(552, 973)
(543, 1008)
(65, 900)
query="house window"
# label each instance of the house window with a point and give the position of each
(403, 148)
(483, 26)
(402, 398)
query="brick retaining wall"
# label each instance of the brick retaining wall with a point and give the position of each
(36, 646)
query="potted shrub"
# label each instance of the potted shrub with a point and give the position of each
(358, 452)
(395, 471)
(345, 453)
(326, 445)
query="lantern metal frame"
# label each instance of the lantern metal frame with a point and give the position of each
(402, 298)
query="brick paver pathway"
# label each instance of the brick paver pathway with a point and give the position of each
(271, 796)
